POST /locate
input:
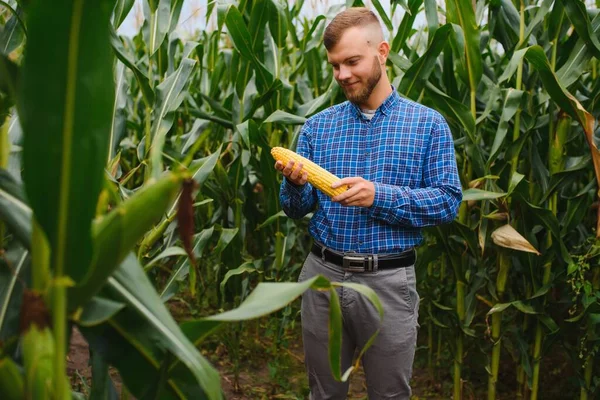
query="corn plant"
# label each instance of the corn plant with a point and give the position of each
(70, 249)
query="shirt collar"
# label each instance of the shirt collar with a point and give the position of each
(389, 102)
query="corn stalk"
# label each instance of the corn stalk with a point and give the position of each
(504, 260)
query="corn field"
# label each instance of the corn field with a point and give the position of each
(136, 176)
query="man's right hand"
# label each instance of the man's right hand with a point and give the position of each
(294, 175)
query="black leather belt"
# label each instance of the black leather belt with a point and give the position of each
(356, 262)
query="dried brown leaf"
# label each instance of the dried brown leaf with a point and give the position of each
(507, 236)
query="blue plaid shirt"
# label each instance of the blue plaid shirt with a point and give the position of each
(406, 150)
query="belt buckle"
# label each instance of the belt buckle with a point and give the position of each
(357, 263)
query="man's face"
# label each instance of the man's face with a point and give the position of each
(355, 65)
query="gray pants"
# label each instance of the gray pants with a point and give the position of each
(388, 362)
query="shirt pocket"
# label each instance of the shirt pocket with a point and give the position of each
(401, 167)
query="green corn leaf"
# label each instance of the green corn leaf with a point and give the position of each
(102, 384)
(278, 22)
(335, 333)
(12, 384)
(441, 306)
(98, 310)
(202, 168)
(140, 76)
(169, 95)
(548, 322)
(242, 39)
(13, 32)
(188, 49)
(523, 307)
(399, 61)
(181, 269)
(461, 12)
(156, 25)
(511, 105)
(259, 17)
(227, 235)
(406, 25)
(452, 109)
(143, 337)
(269, 221)
(542, 11)
(130, 349)
(414, 79)
(576, 213)
(285, 118)
(312, 106)
(116, 234)
(314, 36)
(280, 250)
(168, 252)
(119, 119)
(122, 8)
(536, 56)
(431, 15)
(436, 321)
(14, 266)
(478, 194)
(577, 12)
(247, 267)
(38, 352)
(175, 13)
(130, 285)
(266, 298)
(198, 128)
(383, 15)
(574, 67)
(270, 297)
(9, 73)
(66, 129)
(548, 219)
(14, 210)
(513, 64)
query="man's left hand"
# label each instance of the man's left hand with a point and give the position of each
(360, 193)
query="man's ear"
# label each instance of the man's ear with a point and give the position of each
(383, 50)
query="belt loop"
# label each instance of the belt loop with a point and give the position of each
(375, 263)
(323, 253)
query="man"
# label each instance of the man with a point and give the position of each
(397, 158)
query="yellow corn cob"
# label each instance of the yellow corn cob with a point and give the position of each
(317, 176)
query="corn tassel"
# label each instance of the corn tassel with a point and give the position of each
(317, 176)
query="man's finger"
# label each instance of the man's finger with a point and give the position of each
(287, 170)
(304, 178)
(340, 198)
(347, 181)
(296, 172)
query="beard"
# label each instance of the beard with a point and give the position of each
(361, 95)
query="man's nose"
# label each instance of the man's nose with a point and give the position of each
(344, 73)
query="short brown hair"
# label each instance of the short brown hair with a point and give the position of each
(355, 16)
